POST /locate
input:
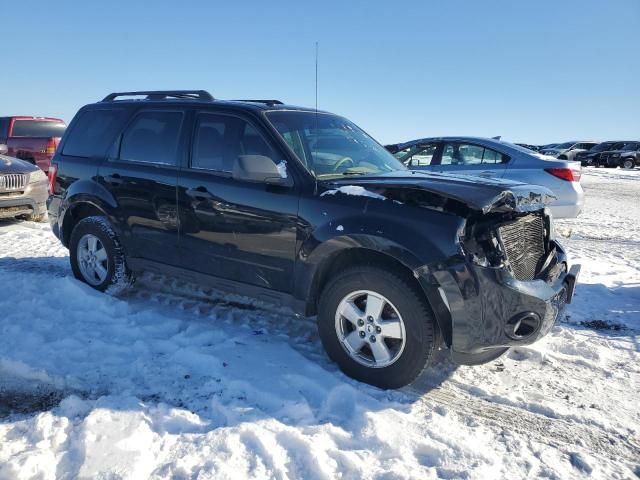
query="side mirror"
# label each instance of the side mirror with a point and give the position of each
(260, 169)
(3, 149)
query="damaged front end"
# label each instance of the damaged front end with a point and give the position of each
(510, 282)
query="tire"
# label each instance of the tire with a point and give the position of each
(408, 356)
(628, 163)
(117, 276)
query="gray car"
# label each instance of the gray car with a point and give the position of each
(568, 150)
(23, 190)
(491, 158)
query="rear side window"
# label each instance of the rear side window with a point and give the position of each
(38, 128)
(152, 137)
(92, 132)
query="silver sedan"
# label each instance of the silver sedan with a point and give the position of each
(493, 158)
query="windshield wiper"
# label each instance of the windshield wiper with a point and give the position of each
(355, 172)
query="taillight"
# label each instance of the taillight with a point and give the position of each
(53, 174)
(51, 146)
(567, 174)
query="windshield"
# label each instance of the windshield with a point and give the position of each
(331, 146)
(563, 146)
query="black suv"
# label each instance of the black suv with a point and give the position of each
(591, 157)
(625, 155)
(302, 208)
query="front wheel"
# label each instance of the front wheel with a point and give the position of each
(377, 326)
(97, 258)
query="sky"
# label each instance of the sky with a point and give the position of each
(535, 72)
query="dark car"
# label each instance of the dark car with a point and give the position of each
(591, 157)
(302, 208)
(626, 156)
(33, 139)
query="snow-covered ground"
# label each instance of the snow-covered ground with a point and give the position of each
(176, 382)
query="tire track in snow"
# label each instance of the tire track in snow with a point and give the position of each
(556, 432)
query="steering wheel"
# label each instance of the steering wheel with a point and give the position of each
(342, 161)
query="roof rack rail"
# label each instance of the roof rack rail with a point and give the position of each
(266, 102)
(163, 95)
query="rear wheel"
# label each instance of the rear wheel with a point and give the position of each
(377, 326)
(628, 163)
(97, 258)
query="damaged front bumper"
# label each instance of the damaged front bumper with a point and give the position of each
(482, 311)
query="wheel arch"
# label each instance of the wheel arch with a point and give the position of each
(77, 210)
(342, 259)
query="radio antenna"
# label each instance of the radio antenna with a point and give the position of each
(316, 77)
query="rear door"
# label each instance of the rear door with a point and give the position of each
(141, 174)
(467, 158)
(236, 230)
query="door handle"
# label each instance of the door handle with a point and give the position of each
(199, 193)
(487, 173)
(114, 179)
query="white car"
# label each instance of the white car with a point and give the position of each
(491, 158)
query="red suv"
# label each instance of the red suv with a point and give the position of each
(33, 139)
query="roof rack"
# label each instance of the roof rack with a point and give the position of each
(163, 95)
(266, 102)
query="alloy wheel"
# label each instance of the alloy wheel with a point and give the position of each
(370, 329)
(92, 259)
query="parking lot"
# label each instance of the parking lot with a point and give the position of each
(179, 381)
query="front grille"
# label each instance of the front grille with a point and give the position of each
(12, 182)
(523, 242)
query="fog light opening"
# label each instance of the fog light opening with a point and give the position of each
(522, 326)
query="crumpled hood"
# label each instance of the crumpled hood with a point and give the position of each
(15, 165)
(483, 194)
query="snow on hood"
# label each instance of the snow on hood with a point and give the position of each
(354, 190)
(483, 194)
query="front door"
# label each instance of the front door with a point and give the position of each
(141, 176)
(241, 231)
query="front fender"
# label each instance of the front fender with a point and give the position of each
(411, 243)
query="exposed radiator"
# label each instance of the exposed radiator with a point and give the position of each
(523, 242)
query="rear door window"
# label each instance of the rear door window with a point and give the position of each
(462, 154)
(38, 128)
(152, 137)
(93, 132)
